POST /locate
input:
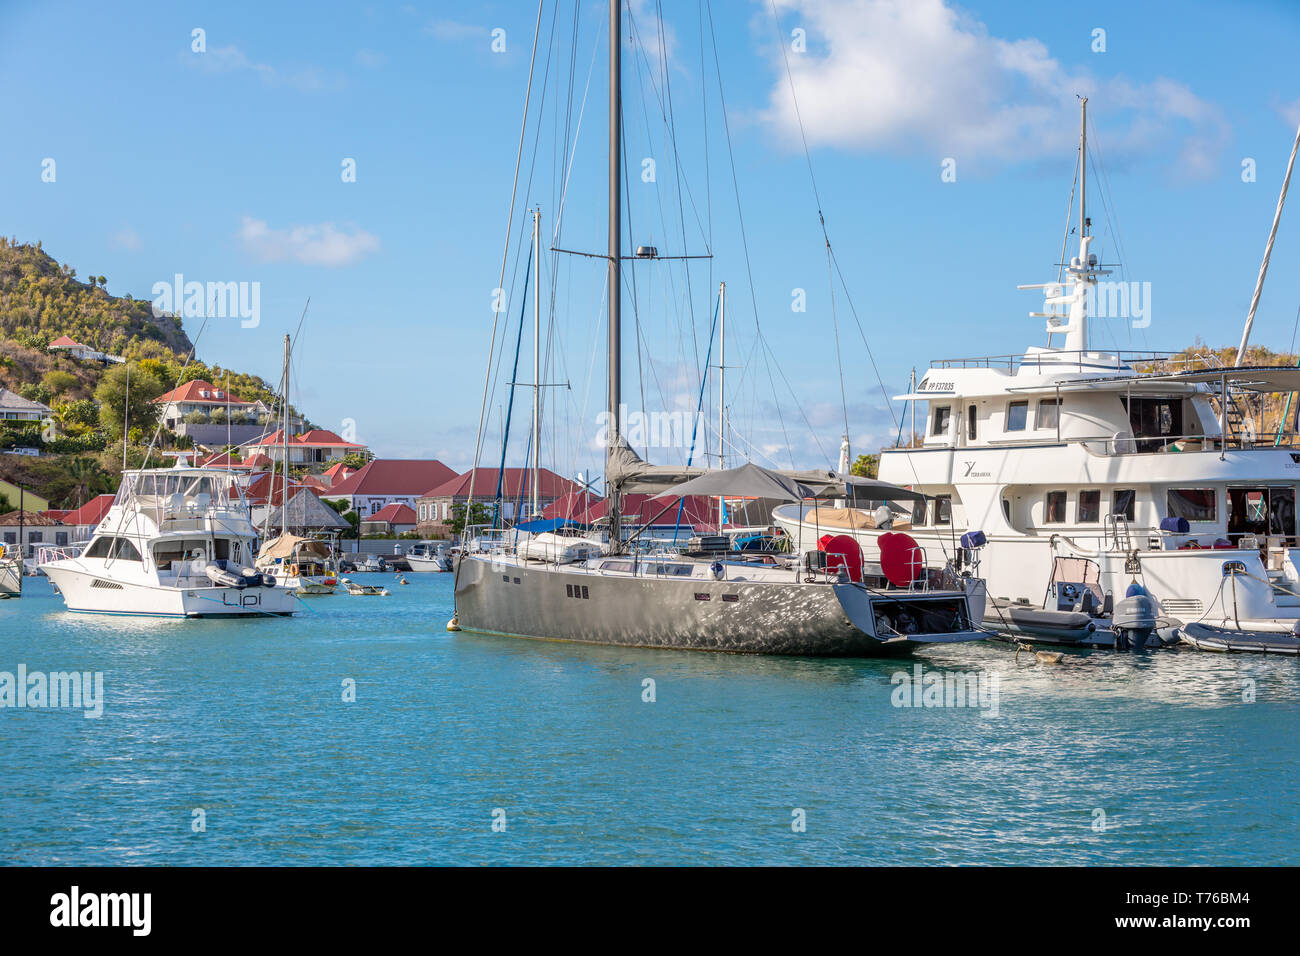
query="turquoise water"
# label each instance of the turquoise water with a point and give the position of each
(245, 720)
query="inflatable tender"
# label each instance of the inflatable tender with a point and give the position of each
(1063, 627)
(1224, 640)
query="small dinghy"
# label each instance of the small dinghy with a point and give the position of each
(1224, 640)
(1039, 624)
(361, 590)
(218, 575)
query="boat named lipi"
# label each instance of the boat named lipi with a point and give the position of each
(177, 542)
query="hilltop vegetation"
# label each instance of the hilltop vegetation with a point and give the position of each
(41, 299)
(82, 454)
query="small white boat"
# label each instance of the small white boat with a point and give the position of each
(364, 590)
(177, 542)
(429, 556)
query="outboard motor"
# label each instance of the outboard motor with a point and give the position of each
(969, 555)
(884, 518)
(1135, 619)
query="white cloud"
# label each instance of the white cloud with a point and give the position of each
(231, 59)
(371, 59)
(455, 30)
(313, 245)
(917, 76)
(126, 238)
(1291, 112)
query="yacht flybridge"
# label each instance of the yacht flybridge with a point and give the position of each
(1089, 470)
(176, 542)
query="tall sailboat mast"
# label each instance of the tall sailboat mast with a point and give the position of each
(284, 438)
(614, 283)
(537, 362)
(722, 391)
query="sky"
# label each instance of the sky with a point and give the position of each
(363, 155)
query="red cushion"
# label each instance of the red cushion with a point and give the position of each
(900, 558)
(844, 552)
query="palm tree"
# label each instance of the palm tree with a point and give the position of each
(89, 478)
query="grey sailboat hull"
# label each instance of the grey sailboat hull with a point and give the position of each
(547, 602)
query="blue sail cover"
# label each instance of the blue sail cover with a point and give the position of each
(547, 524)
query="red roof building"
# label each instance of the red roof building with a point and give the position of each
(310, 448)
(90, 514)
(394, 519)
(336, 473)
(434, 506)
(268, 488)
(386, 481)
(200, 394)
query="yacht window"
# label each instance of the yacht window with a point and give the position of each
(942, 415)
(1006, 510)
(1055, 512)
(1017, 416)
(1049, 413)
(120, 549)
(918, 512)
(1123, 501)
(1157, 420)
(970, 423)
(943, 509)
(1090, 506)
(1194, 504)
(125, 551)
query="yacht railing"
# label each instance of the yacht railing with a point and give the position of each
(1083, 360)
(48, 553)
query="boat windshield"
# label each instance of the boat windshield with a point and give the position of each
(176, 492)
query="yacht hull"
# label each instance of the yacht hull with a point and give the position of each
(546, 602)
(94, 594)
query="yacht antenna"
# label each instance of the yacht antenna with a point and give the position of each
(1268, 252)
(1083, 166)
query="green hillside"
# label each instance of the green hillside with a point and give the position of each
(41, 299)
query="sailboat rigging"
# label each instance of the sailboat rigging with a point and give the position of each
(618, 591)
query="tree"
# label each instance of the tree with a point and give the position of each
(865, 466)
(88, 478)
(140, 411)
(59, 381)
(356, 460)
(478, 513)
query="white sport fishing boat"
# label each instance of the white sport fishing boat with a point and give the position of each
(176, 542)
(1090, 470)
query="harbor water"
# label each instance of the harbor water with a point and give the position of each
(238, 743)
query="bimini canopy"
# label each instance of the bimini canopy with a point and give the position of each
(287, 545)
(754, 481)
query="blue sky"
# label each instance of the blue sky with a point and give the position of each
(225, 165)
